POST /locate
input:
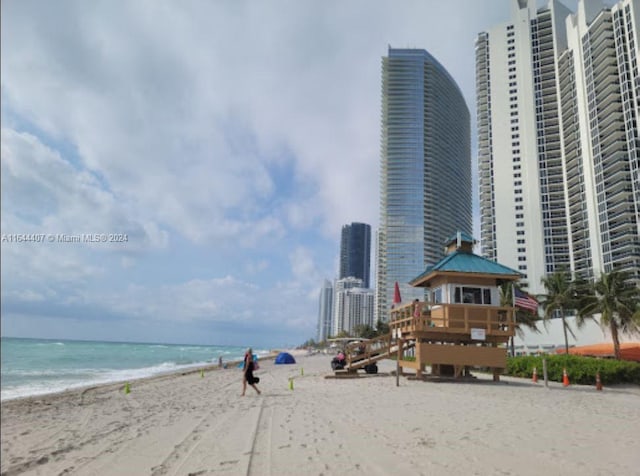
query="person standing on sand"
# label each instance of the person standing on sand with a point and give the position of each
(247, 373)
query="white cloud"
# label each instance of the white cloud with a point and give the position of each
(218, 135)
(45, 193)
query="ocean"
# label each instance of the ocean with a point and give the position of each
(40, 366)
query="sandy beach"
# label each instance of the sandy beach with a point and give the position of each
(186, 424)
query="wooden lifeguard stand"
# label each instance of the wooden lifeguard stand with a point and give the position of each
(462, 323)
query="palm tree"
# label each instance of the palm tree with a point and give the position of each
(382, 328)
(562, 296)
(364, 330)
(617, 300)
(523, 318)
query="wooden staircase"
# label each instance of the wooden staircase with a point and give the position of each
(360, 354)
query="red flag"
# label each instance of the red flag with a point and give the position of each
(396, 296)
(524, 301)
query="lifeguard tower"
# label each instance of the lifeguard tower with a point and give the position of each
(462, 324)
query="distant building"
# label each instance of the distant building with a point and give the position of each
(425, 176)
(325, 311)
(558, 139)
(355, 252)
(357, 308)
(341, 319)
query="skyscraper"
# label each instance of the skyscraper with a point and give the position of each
(325, 311)
(355, 252)
(353, 307)
(425, 177)
(558, 139)
(341, 317)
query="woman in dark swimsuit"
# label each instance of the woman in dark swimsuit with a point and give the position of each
(247, 373)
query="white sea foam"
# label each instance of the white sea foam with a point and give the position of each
(36, 367)
(96, 377)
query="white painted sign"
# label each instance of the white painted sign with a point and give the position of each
(478, 334)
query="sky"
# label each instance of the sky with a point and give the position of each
(180, 172)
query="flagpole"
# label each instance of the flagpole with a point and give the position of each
(513, 305)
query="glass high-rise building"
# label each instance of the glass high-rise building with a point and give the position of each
(355, 252)
(558, 139)
(425, 177)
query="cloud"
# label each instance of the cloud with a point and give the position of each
(219, 136)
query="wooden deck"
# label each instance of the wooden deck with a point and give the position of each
(453, 322)
(449, 337)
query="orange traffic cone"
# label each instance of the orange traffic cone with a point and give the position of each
(598, 382)
(535, 375)
(565, 378)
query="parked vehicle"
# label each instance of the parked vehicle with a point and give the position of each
(339, 361)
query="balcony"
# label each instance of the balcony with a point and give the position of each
(453, 322)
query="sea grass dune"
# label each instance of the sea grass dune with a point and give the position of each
(196, 423)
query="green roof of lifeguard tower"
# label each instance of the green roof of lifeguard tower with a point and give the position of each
(463, 261)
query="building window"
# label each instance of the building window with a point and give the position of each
(472, 295)
(437, 295)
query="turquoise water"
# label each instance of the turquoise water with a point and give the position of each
(39, 366)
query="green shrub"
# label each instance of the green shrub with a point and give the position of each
(581, 370)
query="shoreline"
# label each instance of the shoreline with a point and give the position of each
(195, 368)
(182, 423)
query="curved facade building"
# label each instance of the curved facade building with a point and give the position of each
(425, 178)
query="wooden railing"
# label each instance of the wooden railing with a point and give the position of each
(453, 317)
(359, 354)
(368, 348)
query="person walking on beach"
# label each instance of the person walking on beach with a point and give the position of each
(247, 373)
